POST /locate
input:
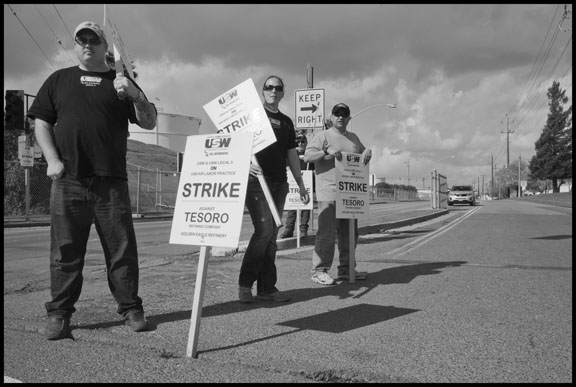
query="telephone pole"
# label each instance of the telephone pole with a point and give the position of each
(408, 164)
(508, 141)
(492, 181)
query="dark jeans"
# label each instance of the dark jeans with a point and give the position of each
(258, 264)
(74, 205)
(291, 221)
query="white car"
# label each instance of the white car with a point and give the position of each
(461, 194)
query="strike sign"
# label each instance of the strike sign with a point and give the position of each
(352, 196)
(212, 188)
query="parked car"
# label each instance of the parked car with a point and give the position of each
(461, 194)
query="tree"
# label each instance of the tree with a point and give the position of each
(553, 159)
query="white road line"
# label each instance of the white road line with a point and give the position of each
(426, 238)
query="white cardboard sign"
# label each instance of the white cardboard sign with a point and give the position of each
(120, 52)
(352, 193)
(240, 110)
(212, 189)
(293, 201)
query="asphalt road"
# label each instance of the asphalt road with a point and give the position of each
(482, 294)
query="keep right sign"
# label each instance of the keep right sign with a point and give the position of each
(309, 108)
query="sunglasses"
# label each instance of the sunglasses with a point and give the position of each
(301, 141)
(341, 113)
(83, 41)
(272, 87)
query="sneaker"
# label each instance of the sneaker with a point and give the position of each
(286, 234)
(245, 294)
(136, 321)
(276, 296)
(57, 327)
(322, 278)
(359, 275)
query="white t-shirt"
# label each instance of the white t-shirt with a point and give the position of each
(325, 169)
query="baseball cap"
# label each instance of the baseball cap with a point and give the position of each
(341, 107)
(88, 25)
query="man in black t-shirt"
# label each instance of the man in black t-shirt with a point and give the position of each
(81, 118)
(258, 264)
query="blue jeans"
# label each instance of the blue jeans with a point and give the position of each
(74, 205)
(328, 228)
(258, 264)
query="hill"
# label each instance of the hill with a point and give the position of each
(151, 156)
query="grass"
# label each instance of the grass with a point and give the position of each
(151, 156)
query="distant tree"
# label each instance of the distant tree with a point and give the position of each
(553, 159)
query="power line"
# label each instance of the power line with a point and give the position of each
(35, 42)
(530, 75)
(53, 33)
(63, 22)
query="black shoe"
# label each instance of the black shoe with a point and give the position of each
(136, 321)
(57, 327)
(285, 235)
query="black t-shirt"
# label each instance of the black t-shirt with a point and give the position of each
(272, 159)
(90, 121)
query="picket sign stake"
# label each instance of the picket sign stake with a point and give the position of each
(298, 229)
(268, 195)
(191, 350)
(119, 71)
(352, 250)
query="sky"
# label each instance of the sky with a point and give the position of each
(469, 81)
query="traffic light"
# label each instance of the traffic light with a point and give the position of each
(14, 112)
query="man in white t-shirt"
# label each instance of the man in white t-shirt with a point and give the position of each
(324, 147)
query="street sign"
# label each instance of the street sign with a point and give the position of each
(309, 108)
(27, 159)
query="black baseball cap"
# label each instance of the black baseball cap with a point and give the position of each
(341, 107)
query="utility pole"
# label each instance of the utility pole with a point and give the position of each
(408, 164)
(519, 163)
(492, 181)
(508, 141)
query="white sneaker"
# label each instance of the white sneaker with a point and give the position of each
(323, 278)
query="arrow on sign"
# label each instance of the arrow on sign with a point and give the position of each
(313, 108)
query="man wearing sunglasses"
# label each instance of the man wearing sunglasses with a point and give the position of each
(324, 147)
(81, 124)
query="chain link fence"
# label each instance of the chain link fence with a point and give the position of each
(27, 190)
(152, 192)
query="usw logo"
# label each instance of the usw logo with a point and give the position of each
(227, 97)
(217, 142)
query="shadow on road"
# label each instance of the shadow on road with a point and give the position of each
(335, 321)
